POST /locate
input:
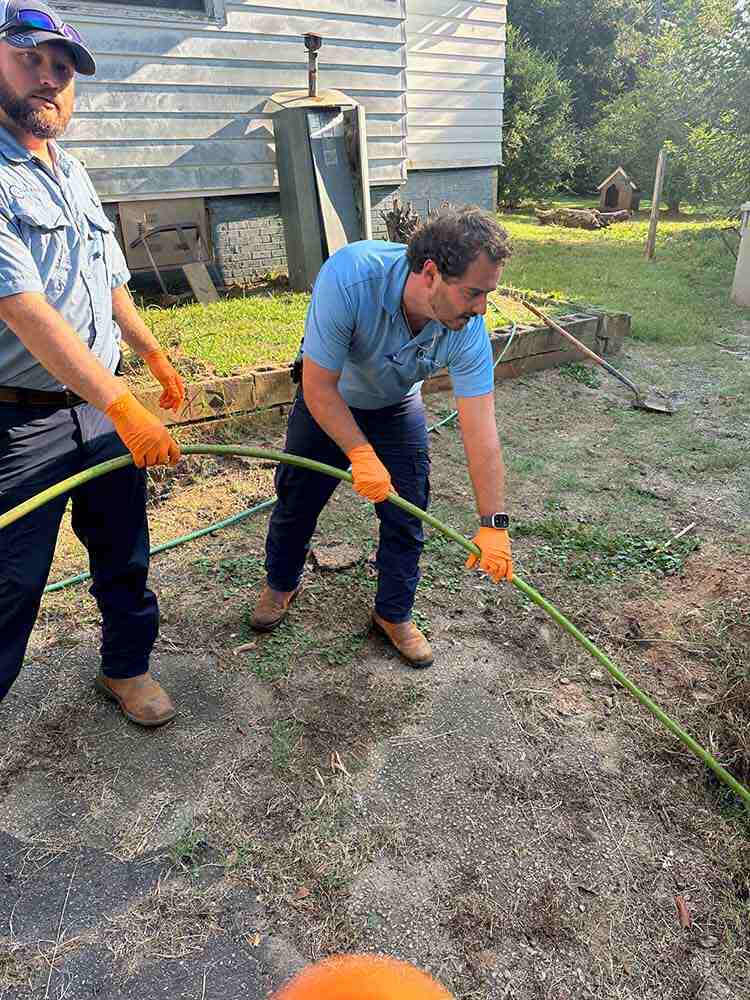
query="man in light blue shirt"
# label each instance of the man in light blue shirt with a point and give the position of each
(64, 307)
(382, 318)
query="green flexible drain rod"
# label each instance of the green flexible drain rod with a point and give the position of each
(306, 463)
(70, 581)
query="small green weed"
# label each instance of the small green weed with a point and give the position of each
(421, 621)
(185, 851)
(553, 504)
(279, 651)
(581, 373)
(343, 649)
(234, 573)
(525, 464)
(285, 734)
(414, 694)
(592, 555)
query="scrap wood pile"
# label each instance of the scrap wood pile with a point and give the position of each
(579, 218)
(402, 221)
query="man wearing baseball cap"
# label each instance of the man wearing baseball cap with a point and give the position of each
(64, 308)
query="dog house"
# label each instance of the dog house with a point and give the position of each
(619, 192)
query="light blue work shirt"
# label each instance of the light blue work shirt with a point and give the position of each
(55, 239)
(355, 325)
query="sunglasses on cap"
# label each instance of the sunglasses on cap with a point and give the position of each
(29, 19)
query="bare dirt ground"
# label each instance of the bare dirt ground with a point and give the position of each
(509, 820)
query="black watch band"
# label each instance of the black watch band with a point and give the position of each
(495, 521)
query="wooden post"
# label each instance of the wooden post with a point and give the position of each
(661, 166)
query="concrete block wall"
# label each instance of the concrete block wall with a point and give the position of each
(428, 189)
(248, 234)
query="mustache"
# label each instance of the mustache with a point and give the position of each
(52, 98)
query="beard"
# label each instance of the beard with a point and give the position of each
(43, 123)
(445, 312)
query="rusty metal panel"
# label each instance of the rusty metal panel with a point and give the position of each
(136, 217)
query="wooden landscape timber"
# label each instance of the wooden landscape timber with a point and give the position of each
(579, 218)
(264, 388)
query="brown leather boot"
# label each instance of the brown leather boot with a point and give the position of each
(407, 639)
(141, 698)
(272, 608)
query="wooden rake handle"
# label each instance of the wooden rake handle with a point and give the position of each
(582, 347)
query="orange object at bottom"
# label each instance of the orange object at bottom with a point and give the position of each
(362, 977)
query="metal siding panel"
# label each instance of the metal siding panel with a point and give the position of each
(142, 127)
(455, 67)
(213, 152)
(111, 69)
(183, 108)
(418, 24)
(450, 47)
(450, 154)
(125, 183)
(362, 8)
(495, 13)
(461, 137)
(450, 66)
(293, 24)
(209, 47)
(465, 82)
(441, 101)
(451, 119)
(156, 99)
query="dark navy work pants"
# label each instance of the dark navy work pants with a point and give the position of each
(38, 448)
(399, 436)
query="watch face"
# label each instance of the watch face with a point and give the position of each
(500, 521)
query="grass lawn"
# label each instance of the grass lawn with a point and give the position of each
(680, 297)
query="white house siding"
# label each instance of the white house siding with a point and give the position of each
(455, 72)
(177, 106)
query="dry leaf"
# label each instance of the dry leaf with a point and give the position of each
(254, 939)
(302, 893)
(683, 913)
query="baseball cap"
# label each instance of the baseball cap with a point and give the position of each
(28, 24)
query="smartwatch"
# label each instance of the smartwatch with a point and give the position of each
(495, 521)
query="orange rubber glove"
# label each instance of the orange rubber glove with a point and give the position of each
(144, 435)
(495, 558)
(371, 478)
(163, 371)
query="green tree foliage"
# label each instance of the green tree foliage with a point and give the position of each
(540, 144)
(596, 43)
(692, 96)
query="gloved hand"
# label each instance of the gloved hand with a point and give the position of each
(144, 435)
(371, 478)
(495, 558)
(163, 371)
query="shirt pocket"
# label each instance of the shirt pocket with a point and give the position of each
(426, 366)
(47, 233)
(100, 229)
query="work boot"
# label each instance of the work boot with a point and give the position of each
(407, 639)
(272, 608)
(141, 698)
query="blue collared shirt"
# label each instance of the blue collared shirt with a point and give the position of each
(55, 239)
(355, 325)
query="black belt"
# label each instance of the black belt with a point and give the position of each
(34, 397)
